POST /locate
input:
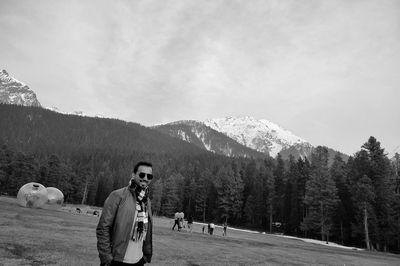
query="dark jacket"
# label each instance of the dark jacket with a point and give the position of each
(115, 224)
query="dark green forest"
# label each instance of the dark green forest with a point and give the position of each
(354, 202)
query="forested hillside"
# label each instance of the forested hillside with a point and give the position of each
(355, 202)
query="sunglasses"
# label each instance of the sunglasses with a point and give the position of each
(149, 176)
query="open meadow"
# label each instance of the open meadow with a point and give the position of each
(55, 237)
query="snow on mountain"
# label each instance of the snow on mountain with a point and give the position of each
(78, 113)
(261, 135)
(55, 109)
(239, 137)
(197, 133)
(13, 91)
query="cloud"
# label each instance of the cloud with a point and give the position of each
(315, 67)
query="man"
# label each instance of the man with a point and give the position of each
(124, 231)
(176, 217)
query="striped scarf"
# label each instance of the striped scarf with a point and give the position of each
(141, 200)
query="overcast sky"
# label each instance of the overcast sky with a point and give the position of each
(329, 71)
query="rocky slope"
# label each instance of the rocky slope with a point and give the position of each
(13, 91)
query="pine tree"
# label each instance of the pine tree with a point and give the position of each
(363, 195)
(396, 164)
(270, 192)
(259, 192)
(339, 172)
(237, 193)
(379, 173)
(83, 183)
(105, 183)
(224, 185)
(279, 175)
(6, 159)
(321, 195)
(395, 221)
(250, 210)
(189, 193)
(201, 194)
(229, 188)
(292, 217)
(304, 169)
(53, 171)
(172, 200)
(157, 192)
(24, 170)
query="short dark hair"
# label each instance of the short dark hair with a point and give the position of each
(141, 163)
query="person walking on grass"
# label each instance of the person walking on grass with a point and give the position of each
(180, 221)
(212, 226)
(176, 222)
(190, 223)
(225, 228)
(124, 231)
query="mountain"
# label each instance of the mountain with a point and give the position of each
(261, 135)
(34, 129)
(207, 138)
(13, 91)
(242, 137)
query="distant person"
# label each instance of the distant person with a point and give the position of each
(181, 220)
(212, 226)
(180, 223)
(124, 231)
(190, 223)
(225, 228)
(204, 228)
(181, 215)
(209, 228)
(176, 222)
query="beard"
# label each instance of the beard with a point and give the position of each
(139, 182)
(143, 184)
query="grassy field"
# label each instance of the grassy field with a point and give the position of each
(54, 237)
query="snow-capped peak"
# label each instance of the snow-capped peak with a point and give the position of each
(6, 79)
(261, 135)
(13, 91)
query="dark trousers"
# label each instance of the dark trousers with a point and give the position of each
(118, 263)
(176, 223)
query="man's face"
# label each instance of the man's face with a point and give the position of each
(141, 177)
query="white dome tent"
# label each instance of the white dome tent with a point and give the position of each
(55, 198)
(32, 195)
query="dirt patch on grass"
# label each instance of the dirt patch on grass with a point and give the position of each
(192, 264)
(20, 254)
(14, 249)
